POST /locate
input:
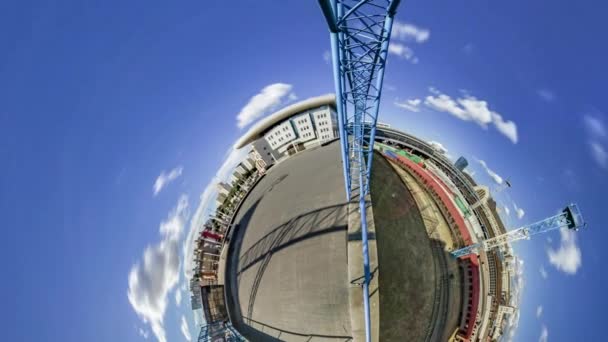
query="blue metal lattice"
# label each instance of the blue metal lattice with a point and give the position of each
(360, 33)
(570, 218)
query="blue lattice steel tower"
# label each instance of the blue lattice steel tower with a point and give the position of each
(570, 218)
(360, 33)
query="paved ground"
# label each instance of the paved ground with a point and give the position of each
(407, 282)
(286, 273)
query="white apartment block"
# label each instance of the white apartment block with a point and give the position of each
(223, 188)
(503, 310)
(325, 123)
(234, 178)
(241, 169)
(295, 128)
(248, 163)
(280, 136)
(304, 128)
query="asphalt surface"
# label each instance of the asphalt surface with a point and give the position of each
(286, 275)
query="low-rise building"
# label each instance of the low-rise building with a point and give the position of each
(295, 128)
(304, 128)
(224, 188)
(248, 163)
(221, 198)
(241, 170)
(504, 312)
(281, 136)
(196, 300)
(259, 163)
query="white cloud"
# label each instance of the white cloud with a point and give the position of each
(596, 136)
(546, 95)
(402, 51)
(507, 210)
(207, 203)
(185, 329)
(519, 281)
(507, 128)
(513, 324)
(595, 126)
(327, 56)
(178, 296)
(411, 105)
(438, 146)
(544, 334)
(599, 154)
(518, 211)
(165, 178)
(151, 279)
(543, 272)
(567, 258)
(469, 108)
(407, 31)
(497, 179)
(269, 98)
(539, 311)
(444, 103)
(143, 333)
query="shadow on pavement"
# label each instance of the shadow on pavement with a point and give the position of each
(315, 223)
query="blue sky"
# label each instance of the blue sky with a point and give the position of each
(99, 100)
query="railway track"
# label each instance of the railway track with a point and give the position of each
(441, 295)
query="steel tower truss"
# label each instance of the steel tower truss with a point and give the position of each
(570, 217)
(360, 33)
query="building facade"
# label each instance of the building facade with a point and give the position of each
(302, 131)
(266, 154)
(281, 136)
(304, 128)
(461, 163)
(293, 129)
(223, 188)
